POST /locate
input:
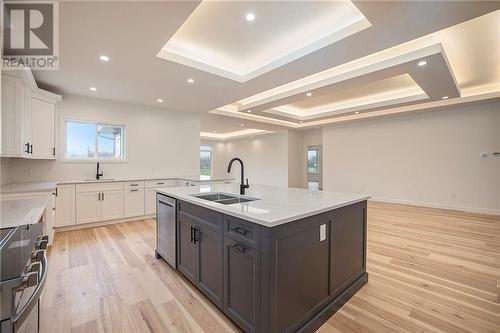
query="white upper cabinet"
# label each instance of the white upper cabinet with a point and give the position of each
(28, 117)
(13, 107)
(42, 122)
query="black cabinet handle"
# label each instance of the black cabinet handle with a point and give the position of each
(160, 183)
(241, 231)
(31, 149)
(192, 234)
(27, 144)
(134, 190)
(134, 184)
(239, 247)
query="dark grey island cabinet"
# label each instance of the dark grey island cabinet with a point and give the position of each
(287, 278)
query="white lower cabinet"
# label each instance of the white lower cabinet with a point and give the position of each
(88, 207)
(94, 202)
(65, 205)
(111, 205)
(133, 202)
(149, 201)
(99, 202)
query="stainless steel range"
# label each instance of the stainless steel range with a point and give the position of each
(23, 275)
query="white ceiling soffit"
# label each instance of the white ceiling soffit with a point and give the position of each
(383, 93)
(232, 135)
(233, 47)
(410, 83)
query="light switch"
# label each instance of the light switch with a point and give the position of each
(322, 232)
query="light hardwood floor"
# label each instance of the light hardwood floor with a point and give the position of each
(430, 271)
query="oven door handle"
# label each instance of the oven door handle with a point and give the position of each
(20, 316)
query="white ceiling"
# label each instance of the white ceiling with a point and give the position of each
(132, 33)
(217, 37)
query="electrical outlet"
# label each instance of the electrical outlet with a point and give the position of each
(322, 232)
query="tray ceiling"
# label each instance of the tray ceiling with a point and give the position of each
(218, 38)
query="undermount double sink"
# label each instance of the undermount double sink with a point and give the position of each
(224, 198)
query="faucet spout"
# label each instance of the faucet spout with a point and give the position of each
(98, 174)
(243, 186)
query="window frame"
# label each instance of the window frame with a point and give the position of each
(64, 159)
(211, 158)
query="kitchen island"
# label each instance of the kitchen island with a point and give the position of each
(274, 260)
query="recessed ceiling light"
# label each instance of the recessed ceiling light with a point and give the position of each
(249, 111)
(250, 17)
(190, 80)
(301, 121)
(93, 88)
(356, 112)
(422, 63)
(104, 58)
(215, 131)
(242, 125)
(309, 94)
(159, 100)
(444, 97)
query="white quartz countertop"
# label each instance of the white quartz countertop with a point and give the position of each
(28, 187)
(197, 179)
(277, 205)
(18, 211)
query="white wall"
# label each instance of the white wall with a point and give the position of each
(158, 142)
(296, 167)
(265, 158)
(429, 158)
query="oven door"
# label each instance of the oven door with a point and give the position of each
(26, 317)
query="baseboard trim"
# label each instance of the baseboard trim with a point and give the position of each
(478, 210)
(103, 223)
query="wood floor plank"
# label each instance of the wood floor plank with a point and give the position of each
(430, 270)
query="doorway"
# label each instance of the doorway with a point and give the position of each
(314, 168)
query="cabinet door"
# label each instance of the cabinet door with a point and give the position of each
(186, 248)
(65, 205)
(42, 129)
(133, 202)
(149, 201)
(111, 205)
(88, 207)
(210, 264)
(242, 285)
(12, 115)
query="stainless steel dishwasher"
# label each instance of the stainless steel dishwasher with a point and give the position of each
(165, 229)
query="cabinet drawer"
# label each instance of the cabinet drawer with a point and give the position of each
(132, 184)
(162, 183)
(201, 215)
(243, 231)
(99, 187)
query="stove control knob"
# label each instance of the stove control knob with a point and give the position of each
(28, 280)
(37, 255)
(41, 245)
(43, 238)
(34, 267)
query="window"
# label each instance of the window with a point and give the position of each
(205, 161)
(92, 141)
(312, 161)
